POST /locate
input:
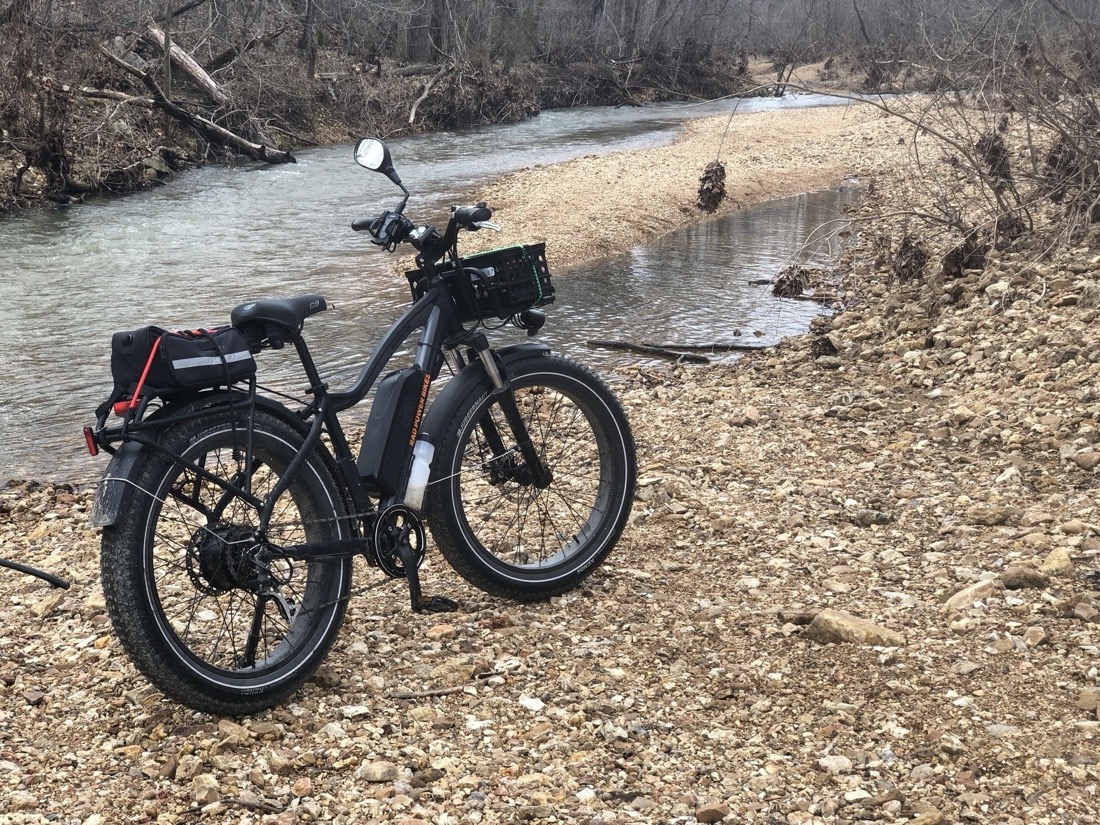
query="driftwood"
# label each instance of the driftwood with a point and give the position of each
(728, 346)
(185, 63)
(207, 128)
(680, 352)
(427, 88)
(194, 4)
(415, 69)
(646, 349)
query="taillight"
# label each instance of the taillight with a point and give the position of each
(89, 439)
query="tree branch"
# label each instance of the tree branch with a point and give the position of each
(207, 128)
(427, 88)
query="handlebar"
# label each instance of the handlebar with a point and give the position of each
(392, 228)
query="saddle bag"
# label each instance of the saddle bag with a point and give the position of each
(154, 361)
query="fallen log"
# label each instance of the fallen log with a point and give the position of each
(716, 347)
(815, 298)
(233, 52)
(210, 130)
(646, 349)
(154, 35)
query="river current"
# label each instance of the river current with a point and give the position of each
(184, 254)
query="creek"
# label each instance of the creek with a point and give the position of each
(182, 255)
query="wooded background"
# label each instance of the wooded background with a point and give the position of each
(568, 30)
(90, 100)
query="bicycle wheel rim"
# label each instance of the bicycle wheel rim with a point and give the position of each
(519, 529)
(197, 542)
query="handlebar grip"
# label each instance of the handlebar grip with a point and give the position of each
(362, 224)
(467, 215)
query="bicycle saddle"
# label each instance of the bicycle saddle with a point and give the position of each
(272, 320)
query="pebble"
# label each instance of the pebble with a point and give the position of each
(378, 771)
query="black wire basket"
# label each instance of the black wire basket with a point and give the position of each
(496, 284)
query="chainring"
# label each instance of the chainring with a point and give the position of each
(396, 525)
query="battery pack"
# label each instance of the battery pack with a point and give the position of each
(391, 430)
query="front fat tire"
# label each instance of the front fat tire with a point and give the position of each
(510, 538)
(172, 571)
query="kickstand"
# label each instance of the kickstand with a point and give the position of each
(421, 603)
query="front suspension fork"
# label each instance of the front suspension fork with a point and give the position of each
(506, 398)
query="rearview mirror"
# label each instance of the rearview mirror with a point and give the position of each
(371, 153)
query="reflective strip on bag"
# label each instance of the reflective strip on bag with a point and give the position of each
(210, 361)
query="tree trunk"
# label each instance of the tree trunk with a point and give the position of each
(308, 40)
(185, 63)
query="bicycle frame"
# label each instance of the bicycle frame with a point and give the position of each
(441, 332)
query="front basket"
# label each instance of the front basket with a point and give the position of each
(499, 283)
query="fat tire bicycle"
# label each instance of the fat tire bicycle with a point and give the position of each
(230, 520)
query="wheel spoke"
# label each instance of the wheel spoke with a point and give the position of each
(209, 612)
(505, 532)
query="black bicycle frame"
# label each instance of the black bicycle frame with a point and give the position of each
(435, 315)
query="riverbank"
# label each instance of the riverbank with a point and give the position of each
(599, 205)
(923, 461)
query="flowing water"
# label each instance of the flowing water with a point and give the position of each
(183, 255)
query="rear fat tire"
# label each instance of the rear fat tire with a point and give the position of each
(510, 538)
(178, 590)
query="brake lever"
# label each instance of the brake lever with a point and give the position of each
(496, 227)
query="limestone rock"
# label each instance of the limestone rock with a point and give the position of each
(834, 626)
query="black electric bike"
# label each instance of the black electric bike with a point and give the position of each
(230, 521)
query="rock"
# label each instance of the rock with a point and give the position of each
(1057, 564)
(834, 626)
(455, 671)
(380, 771)
(232, 732)
(1086, 612)
(928, 818)
(1021, 578)
(1073, 527)
(712, 812)
(990, 516)
(1089, 700)
(22, 801)
(205, 789)
(1087, 460)
(834, 763)
(188, 767)
(532, 703)
(976, 592)
(440, 631)
(530, 812)
(829, 362)
(47, 605)
(1035, 636)
(355, 711)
